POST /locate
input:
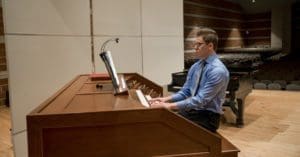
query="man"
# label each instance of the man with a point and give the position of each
(201, 97)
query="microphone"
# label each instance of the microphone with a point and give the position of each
(107, 41)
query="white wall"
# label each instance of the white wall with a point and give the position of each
(48, 43)
(150, 32)
(162, 39)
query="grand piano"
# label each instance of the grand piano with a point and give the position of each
(86, 118)
(242, 63)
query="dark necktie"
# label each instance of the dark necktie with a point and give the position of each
(203, 64)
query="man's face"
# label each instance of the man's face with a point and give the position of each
(203, 50)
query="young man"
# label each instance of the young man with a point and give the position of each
(200, 99)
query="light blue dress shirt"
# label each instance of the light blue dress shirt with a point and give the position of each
(213, 85)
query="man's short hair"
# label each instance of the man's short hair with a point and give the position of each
(209, 36)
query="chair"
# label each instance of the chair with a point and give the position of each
(281, 82)
(274, 86)
(293, 87)
(297, 82)
(254, 81)
(266, 81)
(260, 85)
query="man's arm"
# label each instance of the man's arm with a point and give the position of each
(216, 80)
(160, 99)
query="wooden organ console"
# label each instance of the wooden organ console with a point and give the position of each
(85, 118)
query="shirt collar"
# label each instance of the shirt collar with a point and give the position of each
(210, 58)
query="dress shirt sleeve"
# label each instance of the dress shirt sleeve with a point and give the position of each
(214, 82)
(185, 91)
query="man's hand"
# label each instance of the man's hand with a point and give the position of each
(157, 100)
(171, 106)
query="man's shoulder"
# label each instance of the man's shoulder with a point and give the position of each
(219, 67)
(218, 63)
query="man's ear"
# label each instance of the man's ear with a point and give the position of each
(210, 45)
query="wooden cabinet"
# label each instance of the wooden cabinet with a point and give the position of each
(82, 120)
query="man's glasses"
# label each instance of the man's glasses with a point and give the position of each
(197, 45)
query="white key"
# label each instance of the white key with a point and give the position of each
(142, 98)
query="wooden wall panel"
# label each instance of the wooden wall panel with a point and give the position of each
(2, 57)
(2, 50)
(209, 22)
(265, 15)
(257, 33)
(223, 16)
(235, 28)
(219, 3)
(3, 90)
(221, 45)
(192, 32)
(3, 67)
(202, 10)
(258, 27)
(259, 42)
(1, 22)
(256, 24)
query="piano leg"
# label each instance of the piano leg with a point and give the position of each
(240, 113)
(237, 107)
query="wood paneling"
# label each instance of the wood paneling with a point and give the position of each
(2, 49)
(223, 16)
(222, 43)
(209, 22)
(2, 60)
(256, 24)
(264, 15)
(202, 10)
(234, 28)
(1, 22)
(258, 42)
(3, 67)
(258, 27)
(93, 123)
(219, 3)
(233, 33)
(257, 33)
(3, 81)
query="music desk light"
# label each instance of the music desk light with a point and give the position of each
(118, 80)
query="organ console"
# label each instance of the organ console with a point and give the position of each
(86, 118)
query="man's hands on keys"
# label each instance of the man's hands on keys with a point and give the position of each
(162, 102)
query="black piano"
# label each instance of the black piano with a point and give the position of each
(241, 63)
